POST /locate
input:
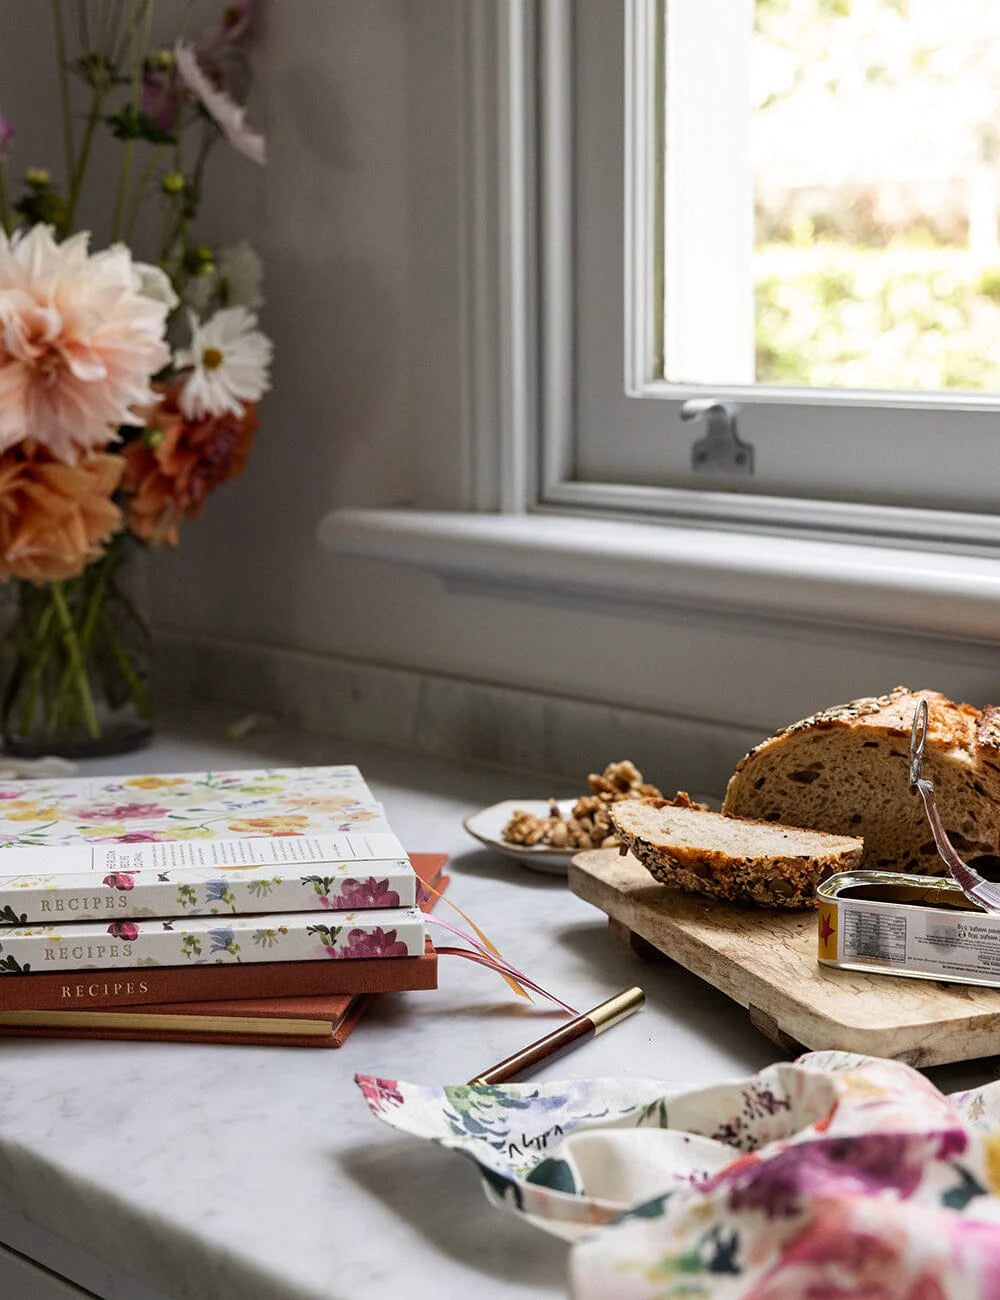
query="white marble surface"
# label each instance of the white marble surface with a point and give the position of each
(143, 1170)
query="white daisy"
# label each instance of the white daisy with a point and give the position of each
(155, 283)
(235, 281)
(229, 360)
(241, 273)
(227, 115)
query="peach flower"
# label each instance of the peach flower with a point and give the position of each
(268, 825)
(168, 475)
(55, 518)
(81, 336)
(155, 782)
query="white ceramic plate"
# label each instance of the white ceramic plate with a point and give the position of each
(487, 824)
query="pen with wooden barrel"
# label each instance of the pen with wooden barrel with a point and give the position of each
(575, 1031)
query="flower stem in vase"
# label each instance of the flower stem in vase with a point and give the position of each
(138, 692)
(38, 656)
(86, 634)
(76, 664)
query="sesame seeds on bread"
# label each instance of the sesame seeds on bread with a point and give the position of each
(845, 770)
(732, 858)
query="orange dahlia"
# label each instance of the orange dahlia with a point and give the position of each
(173, 466)
(55, 518)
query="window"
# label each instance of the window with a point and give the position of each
(561, 448)
(723, 243)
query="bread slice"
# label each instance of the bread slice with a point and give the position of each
(730, 857)
(846, 771)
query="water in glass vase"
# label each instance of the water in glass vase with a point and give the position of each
(78, 658)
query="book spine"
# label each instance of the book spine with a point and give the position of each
(191, 878)
(333, 887)
(334, 1039)
(281, 937)
(87, 990)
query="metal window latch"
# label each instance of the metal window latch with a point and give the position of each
(720, 451)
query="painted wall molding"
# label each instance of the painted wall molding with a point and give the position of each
(872, 588)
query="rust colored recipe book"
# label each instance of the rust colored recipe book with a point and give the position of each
(312, 1019)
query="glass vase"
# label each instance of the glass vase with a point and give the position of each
(78, 657)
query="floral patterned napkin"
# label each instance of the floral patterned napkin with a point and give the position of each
(836, 1176)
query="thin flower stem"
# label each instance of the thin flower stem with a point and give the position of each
(83, 27)
(140, 192)
(4, 206)
(138, 692)
(76, 659)
(64, 96)
(187, 209)
(123, 180)
(140, 48)
(41, 650)
(173, 211)
(86, 634)
(136, 8)
(93, 117)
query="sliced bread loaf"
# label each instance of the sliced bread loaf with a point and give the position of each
(730, 857)
(846, 771)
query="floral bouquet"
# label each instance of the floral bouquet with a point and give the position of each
(127, 386)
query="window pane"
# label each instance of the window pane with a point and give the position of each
(872, 129)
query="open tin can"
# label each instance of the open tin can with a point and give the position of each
(895, 924)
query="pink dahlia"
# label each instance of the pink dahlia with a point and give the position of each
(358, 894)
(81, 335)
(377, 943)
(123, 930)
(116, 812)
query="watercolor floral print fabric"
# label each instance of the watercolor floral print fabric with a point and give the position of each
(248, 804)
(837, 1176)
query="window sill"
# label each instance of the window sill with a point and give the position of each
(847, 583)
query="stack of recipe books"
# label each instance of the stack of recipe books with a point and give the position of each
(241, 905)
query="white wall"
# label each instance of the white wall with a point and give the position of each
(357, 220)
(355, 217)
(329, 216)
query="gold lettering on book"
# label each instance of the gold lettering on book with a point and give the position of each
(88, 952)
(96, 903)
(110, 990)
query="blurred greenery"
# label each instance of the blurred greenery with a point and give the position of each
(876, 153)
(832, 314)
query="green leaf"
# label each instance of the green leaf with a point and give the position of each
(129, 123)
(557, 1174)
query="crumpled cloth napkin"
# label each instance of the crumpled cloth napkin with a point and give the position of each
(836, 1176)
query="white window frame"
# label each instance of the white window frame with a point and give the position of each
(497, 507)
(556, 486)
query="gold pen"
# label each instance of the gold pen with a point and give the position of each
(578, 1030)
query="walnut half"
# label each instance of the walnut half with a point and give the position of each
(589, 824)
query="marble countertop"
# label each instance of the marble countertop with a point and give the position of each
(148, 1170)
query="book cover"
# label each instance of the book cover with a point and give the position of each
(311, 1021)
(197, 843)
(86, 990)
(87, 946)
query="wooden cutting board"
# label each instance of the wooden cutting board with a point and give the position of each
(766, 961)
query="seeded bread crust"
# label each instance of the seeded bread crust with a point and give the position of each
(760, 863)
(846, 770)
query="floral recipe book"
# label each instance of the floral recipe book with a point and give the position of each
(197, 843)
(292, 936)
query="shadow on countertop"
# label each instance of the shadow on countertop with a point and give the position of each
(439, 1195)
